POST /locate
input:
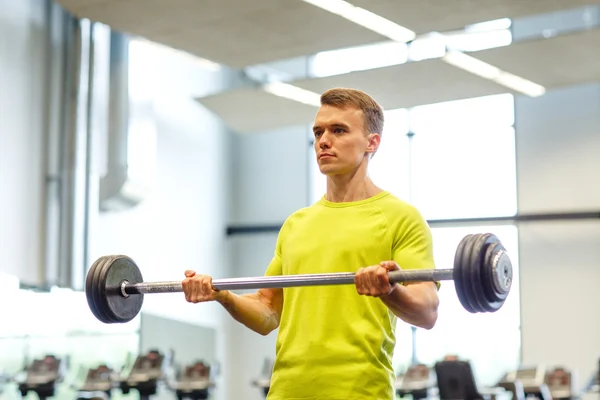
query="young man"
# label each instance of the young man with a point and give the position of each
(337, 342)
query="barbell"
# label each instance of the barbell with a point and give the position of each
(482, 276)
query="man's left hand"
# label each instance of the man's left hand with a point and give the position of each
(374, 281)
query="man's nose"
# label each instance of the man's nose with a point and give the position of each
(325, 140)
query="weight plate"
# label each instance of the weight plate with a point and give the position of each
(492, 290)
(469, 273)
(474, 269)
(89, 285)
(97, 295)
(502, 271)
(457, 275)
(122, 309)
(478, 262)
(101, 293)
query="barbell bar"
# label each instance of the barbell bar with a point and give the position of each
(482, 276)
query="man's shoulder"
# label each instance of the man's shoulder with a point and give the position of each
(299, 214)
(397, 207)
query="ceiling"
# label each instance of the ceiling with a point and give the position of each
(241, 33)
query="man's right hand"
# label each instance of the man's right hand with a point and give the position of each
(199, 288)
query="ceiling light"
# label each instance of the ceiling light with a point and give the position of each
(520, 84)
(294, 93)
(471, 64)
(365, 18)
(487, 71)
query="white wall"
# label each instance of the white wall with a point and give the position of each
(270, 179)
(270, 182)
(22, 95)
(250, 256)
(558, 148)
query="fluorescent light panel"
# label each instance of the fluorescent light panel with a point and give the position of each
(294, 93)
(488, 71)
(367, 19)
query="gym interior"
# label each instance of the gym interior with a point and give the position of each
(179, 134)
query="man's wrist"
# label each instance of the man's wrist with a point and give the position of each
(394, 288)
(222, 297)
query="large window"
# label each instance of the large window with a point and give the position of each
(457, 162)
(463, 158)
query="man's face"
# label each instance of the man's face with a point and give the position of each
(340, 140)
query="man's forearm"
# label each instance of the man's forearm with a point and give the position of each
(249, 310)
(415, 304)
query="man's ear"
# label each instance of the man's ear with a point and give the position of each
(374, 141)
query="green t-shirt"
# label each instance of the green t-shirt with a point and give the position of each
(332, 342)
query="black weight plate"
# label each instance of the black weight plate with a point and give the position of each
(471, 272)
(475, 249)
(89, 284)
(495, 297)
(457, 275)
(98, 293)
(493, 291)
(478, 264)
(501, 271)
(103, 293)
(122, 309)
(95, 295)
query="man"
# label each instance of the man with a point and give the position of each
(337, 342)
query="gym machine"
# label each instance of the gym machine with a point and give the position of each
(145, 375)
(416, 382)
(561, 384)
(98, 383)
(42, 377)
(194, 383)
(532, 379)
(455, 380)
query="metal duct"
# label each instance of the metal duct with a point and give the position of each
(117, 190)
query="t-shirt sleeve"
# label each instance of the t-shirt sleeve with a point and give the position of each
(275, 267)
(413, 243)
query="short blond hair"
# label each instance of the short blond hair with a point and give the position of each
(345, 97)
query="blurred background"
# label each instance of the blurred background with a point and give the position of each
(179, 133)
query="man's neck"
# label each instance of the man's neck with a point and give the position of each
(343, 188)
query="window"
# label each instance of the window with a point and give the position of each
(463, 158)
